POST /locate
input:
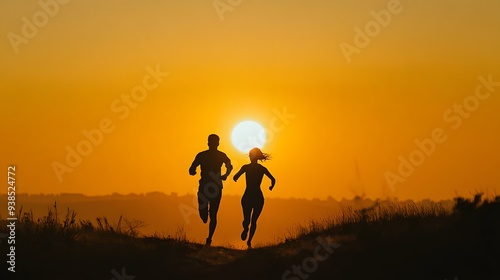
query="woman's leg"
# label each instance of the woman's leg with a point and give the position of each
(255, 216)
(247, 211)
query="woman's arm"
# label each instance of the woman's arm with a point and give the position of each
(237, 175)
(270, 176)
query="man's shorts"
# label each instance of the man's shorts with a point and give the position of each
(209, 196)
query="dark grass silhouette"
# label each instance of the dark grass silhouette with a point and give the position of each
(385, 241)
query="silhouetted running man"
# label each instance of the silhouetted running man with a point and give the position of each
(210, 187)
(253, 199)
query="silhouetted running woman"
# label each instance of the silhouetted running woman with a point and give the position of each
(253, 199)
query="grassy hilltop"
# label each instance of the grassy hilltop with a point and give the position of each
(386, 241)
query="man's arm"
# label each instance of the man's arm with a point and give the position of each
(194, 165)
(229, 168)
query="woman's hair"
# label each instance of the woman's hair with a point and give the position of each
(257, 154)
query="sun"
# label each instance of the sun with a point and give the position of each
(247, 135)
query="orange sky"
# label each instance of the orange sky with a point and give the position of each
(353, 116)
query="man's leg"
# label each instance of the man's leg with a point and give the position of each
(203, 206)
(214, 208)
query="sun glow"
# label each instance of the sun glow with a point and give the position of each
(247, 135)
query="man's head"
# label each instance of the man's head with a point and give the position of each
(213, 141)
